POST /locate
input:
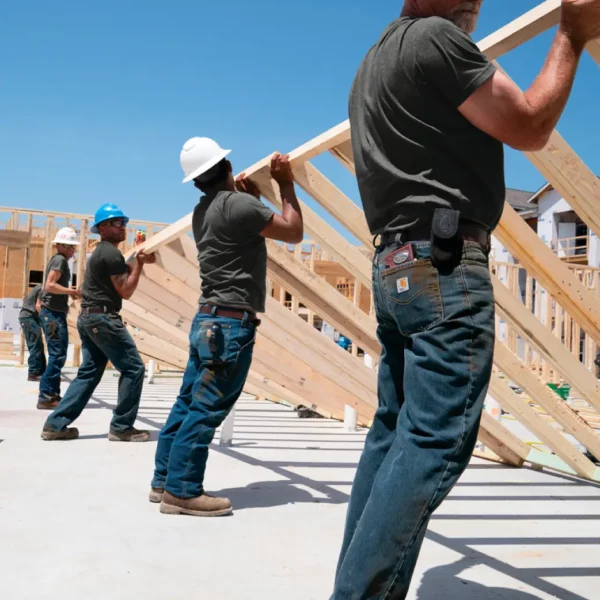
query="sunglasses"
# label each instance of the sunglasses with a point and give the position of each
(117, 223)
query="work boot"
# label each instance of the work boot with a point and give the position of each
(70, 433)
(34, 377)
(201, 506)
(129, 435)
(49, 402)
(156, 495)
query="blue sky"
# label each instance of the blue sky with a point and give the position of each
(97, 98)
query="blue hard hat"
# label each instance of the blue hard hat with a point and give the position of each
(107, 212)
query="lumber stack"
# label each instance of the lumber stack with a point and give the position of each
(6, 344)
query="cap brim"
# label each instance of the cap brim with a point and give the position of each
(206, 166)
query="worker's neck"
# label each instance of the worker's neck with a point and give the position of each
(109, 241)
(225, 186)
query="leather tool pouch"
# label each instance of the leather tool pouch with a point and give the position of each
(446, 240)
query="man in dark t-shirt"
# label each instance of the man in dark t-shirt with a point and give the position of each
(230, 225)
(108, 279)
(53, 315)
(429, 114)
(29, 320)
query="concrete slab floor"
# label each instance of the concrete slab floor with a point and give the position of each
(75, 521)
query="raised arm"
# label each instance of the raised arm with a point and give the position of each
(525, 120)
(126, 283)
(289, 225)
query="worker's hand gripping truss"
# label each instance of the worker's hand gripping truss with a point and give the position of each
(280, 170)
(580, 20)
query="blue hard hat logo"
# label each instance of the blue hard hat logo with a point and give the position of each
(107, 212)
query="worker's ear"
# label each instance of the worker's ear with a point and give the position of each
(229, 166)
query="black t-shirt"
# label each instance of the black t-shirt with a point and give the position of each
(413, 150)
(231, 251)
(98, 290)
(57, 302)
(28, 309)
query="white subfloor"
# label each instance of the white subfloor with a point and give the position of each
(75, 521)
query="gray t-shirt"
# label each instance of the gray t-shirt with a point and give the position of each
(413, 150)
(28, 309)
(231, 251)
(57, 302)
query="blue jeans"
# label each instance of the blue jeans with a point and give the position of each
(212, 383)
(55, 328)
(437, 337)
(103, 338)
(32, 331)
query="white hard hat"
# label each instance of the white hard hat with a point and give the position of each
(198, 155)
(66, 236)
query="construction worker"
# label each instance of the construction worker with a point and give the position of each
(429, 115)
(108, 279)
(29, 320)
(230, 225)
(53, 315)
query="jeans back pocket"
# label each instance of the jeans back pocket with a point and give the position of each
(413, 296)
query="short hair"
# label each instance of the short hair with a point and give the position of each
(212, 177)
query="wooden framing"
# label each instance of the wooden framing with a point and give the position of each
(34, 230)
(296, 363)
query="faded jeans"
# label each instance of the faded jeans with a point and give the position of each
(437, 336)
(208, 393)
(54, 324)
(32, 331)
(103, 337)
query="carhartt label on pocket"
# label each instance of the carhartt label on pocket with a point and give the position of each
(402, 285)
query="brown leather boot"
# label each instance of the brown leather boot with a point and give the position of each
(70, 433)
(156, 495)
(49, 402)
(129, 435)
(201, 506)
(51, 405)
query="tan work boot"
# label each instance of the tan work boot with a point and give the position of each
(129, 435)
(201, 506)
(156, 495)
(70, 433)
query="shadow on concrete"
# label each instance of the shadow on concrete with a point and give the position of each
(445, 583)
(267, 494)
(440, 583)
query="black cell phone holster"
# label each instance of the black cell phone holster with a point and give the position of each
(446, 239)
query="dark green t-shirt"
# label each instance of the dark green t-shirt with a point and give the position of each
(413, 150)
(231, 251)
(98, 290)
(28, 309)
(57, 302)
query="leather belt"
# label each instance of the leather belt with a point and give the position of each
(97, 310)
(469, 231)
(230, 313)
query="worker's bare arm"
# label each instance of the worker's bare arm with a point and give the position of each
(53, 287)
(525, 120)
(126, 283)
(289, 226)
